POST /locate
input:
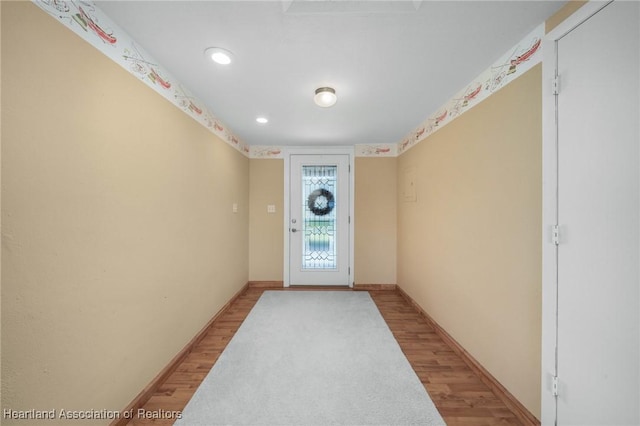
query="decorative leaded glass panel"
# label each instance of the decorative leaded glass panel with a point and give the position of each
(319, 223)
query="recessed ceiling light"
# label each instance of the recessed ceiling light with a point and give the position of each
(325, 97)
(219, 55)
(262, 120)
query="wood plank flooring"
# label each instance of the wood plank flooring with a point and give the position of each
(459, 395)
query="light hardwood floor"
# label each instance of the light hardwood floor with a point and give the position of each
(459, 395)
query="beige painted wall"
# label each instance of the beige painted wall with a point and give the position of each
(375, 220)
(266, 232)
(118, 240)
(0, 206)
(469, 247)
(567, 10)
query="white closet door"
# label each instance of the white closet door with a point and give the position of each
(599, 217)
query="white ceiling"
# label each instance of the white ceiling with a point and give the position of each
(392, 63)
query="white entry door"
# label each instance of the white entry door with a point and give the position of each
(598, 255)
(319, 234)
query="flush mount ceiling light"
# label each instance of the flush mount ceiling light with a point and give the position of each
(325, 97)
(219, 55)
(262, 120)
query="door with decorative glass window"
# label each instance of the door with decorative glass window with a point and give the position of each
(319, 220)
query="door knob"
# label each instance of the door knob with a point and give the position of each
(294, 230)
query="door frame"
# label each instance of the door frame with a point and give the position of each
(550, 205)
(338, 150)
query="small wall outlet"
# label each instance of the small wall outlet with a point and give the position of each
(234, 207)
(271, 208)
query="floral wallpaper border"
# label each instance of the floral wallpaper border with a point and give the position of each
(377, 150)
(259, 151)
(91, 24)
